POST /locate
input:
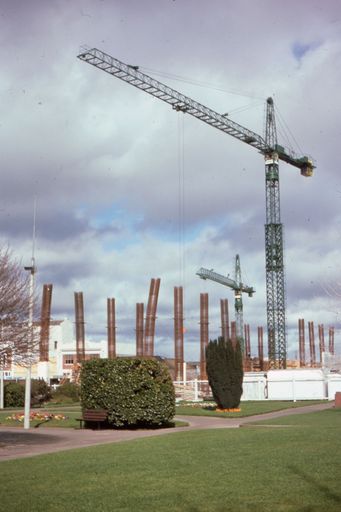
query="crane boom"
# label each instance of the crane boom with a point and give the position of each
(204, 273)
(180, 102)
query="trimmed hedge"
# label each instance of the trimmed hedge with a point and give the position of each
(224, 366)
(134, 391)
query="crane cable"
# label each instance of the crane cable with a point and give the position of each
(286, 132)
(199, 83)
(181, 197)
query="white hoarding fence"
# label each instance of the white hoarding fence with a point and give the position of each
(296, 384)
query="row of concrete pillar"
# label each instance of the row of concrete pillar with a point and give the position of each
(322, 346)
(145, 330)
(144, 333)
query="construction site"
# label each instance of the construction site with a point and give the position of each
(264, 349)
(318, 368)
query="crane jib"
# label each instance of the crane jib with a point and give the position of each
(204, 273)
(179, 102)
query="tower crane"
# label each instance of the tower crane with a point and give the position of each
(238, 287)
(272, 151)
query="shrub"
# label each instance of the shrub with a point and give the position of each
(67, 392)
(40, 392)
(135, 392)
(224, 366)
(62, 399)
(14, 394)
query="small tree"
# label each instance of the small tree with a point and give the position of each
(224, 367)
(18, 342)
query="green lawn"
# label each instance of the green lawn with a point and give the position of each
(249, 408)
(254, 469)
(71, 412)
(70, 415)
(66, 417)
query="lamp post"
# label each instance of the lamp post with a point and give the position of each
(32, 270)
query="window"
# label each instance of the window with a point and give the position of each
(69, 359)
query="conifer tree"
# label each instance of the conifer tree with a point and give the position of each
(224, 366)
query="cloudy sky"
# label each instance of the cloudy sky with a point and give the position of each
(128, 189)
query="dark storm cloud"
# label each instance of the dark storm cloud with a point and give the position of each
(64, 273)
(57, 225)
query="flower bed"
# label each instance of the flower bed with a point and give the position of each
(235, 409)
(37, 416)
(197, 405)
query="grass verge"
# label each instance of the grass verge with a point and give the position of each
(249, 408)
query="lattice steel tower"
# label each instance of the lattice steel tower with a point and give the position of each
(274, 261)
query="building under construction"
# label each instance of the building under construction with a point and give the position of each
(64, 344)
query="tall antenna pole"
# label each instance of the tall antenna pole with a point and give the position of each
(32, 270)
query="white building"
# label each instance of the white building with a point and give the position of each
(62, 354)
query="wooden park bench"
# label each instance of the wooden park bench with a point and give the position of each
(93, 416)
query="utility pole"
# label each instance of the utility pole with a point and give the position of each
(32, 269)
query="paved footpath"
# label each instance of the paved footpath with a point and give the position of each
(16, 442)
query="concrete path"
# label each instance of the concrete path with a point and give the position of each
(16, 442)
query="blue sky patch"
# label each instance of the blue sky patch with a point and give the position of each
(299, 49)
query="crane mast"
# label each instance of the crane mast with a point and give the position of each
(238, 287)
(272, 151)
(274, 259)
